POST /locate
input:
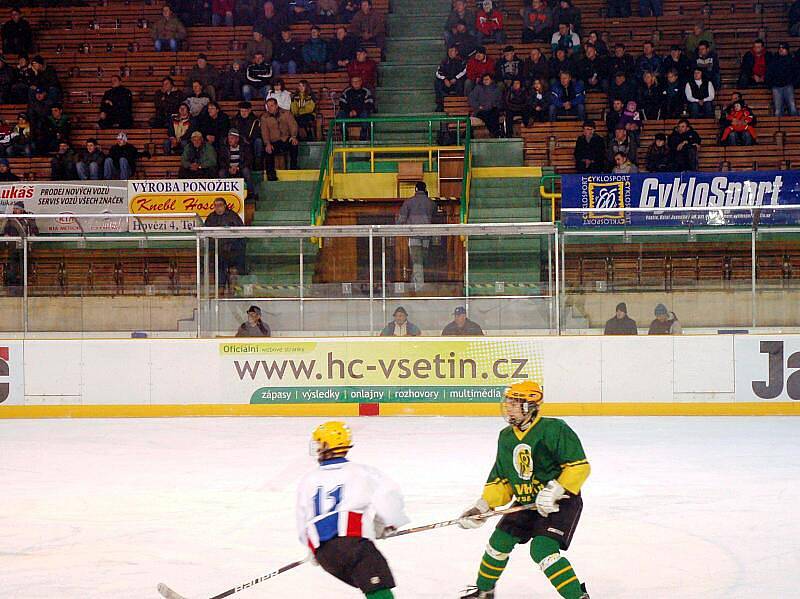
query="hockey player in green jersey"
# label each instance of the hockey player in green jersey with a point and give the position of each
(538, 460)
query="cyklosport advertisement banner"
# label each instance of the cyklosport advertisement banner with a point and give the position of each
(385, 371)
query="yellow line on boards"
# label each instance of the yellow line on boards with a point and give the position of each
(170, 411)
(398, 409)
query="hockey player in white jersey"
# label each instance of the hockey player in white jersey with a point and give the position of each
(342, 507)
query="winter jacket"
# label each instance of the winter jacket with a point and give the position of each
(539, 21)
(556, 66)
(315, 51)
(650, 100)
(220, 7)
(96, 157)
(571, 15)
(245, 156)
(412, 330)
(278, 127)
(205, 156)
(782, 71)
(344, 49)
(452, 68)
(536, 70)
(117, 103)
(230, 82)
(249, 129)
(168, 28)
(167, 103)
(744, 118)
(46, 78)
(508, 70)
(621, 326)
(126, 151)
(453, 18)
(693, 40)
(516, 100)
(356, 99)
(181, 129)
(709, 64)
(627, 146)
(416, 210)
(676, 138)
(573, 93)
(372, 24)
(683, 66)
(671, 326)
(57, 129)
(594, 150)
(367, 70)
(271, 28)
(217, 127)
(303, 104)
(586, 69)
(485, 97)
(644, 64)
(487, 23)
(206, 76)
(569, 42)
(17, 37)
(749, 62)
(476, 69)
(623, 63)
(673, 98)
(625, 92)
(260, 330)
(264, 46)
(286, 51)
(470, 329)
(258, 75)
(658, 160)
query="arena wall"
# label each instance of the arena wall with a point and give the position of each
(688, 375)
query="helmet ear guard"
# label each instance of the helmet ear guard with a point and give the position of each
(521, 402)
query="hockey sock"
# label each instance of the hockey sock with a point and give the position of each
(545, 552)
(495, 559)
(380, 594)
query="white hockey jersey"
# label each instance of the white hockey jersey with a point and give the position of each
(343, 499)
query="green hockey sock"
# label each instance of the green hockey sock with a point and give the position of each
(381, 594)
(495, 559)
(545, 552)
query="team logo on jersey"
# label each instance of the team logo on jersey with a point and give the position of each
(523, 461)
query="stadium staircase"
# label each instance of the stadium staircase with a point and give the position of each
(504, 191)
(414, 48)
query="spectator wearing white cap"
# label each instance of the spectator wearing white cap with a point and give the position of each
(121, 160)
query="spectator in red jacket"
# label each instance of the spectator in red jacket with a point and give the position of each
(489, 24)
(222, 10)
(366, 68)
(478, 66)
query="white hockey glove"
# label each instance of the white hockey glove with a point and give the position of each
(468, 519)
(381, 530)
(548, 498)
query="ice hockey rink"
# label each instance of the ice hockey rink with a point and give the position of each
(675, 507)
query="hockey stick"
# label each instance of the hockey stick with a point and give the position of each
(490, 514)
(168, 593)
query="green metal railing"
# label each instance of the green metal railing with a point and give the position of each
(551, 194)
(341, 125)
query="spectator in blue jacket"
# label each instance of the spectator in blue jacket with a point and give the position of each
(315, 52)
(568, 98)
(648, 61)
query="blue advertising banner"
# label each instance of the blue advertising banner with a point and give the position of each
(657, 199)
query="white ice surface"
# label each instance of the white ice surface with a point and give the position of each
(675, 507)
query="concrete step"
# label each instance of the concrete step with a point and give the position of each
(410, 25)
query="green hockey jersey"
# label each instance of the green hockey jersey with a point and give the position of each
(527, 460)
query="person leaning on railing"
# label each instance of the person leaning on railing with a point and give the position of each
(231, 251)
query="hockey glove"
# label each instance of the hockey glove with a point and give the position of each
(381, 530)
(548, 498)
(468, 519)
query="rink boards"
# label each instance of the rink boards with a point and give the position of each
(685, 375)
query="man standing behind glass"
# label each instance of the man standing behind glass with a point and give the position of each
(417, 210)
(400, 326)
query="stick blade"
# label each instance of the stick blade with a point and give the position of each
(167, 592)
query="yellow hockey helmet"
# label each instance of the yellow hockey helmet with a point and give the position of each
(331, 439)
(521, 402)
